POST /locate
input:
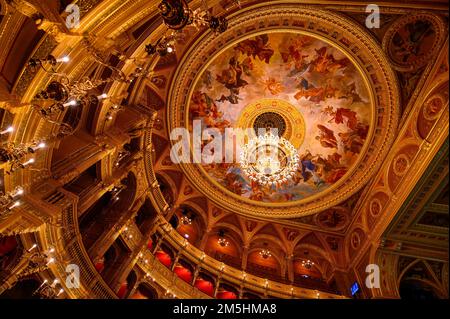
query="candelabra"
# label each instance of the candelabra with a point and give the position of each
(113, 110)
(164, 45)
(177, 15)
(40, 259)
(49, 61)
(122, 154)
(116, 191)
(10, 153)
(10, 200)
(8, 130)
(48, 291)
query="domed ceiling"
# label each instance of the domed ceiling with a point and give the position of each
(319, 79)
(307, 89)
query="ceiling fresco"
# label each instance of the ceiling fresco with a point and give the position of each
(307, 89)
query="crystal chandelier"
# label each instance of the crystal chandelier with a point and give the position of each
(269, 160)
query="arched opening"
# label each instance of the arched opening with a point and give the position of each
(184, 271)
(10, 253)
(416, 290)
(144, 291)
(165, 255)
(85, 181)
(190, 224)
(127, 286)
(114, 258)
(225, 245)
(205, 283)
(227, 292)
(265, 258)
(106, 211)
(418, 282)
(145, 217)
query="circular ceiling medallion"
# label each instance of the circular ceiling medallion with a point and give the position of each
(292, 71)
(413, 40)
(269, 121)
(335, 218)
(284, 117)
(433, 107)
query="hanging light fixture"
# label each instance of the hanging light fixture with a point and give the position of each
(269, 160)
(308, 264)
(222, 241)
(49, 61)
(177, 15)
(185, 219)
(265, 253)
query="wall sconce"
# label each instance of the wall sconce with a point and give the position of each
(8, 130)
(49, 60)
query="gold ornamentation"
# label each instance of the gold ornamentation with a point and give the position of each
(401, 164)
(366, 56)
(413, 40)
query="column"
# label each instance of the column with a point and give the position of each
(244, 257)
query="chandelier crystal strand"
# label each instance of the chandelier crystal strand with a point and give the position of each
(269, 160)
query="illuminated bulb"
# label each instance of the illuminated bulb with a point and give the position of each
(41, 145)
(32, 247)
(10, 129)
(103, 96)
(186, 236)
(60, 292)
(169, 49)
(51, 261)
(30, 161)
(51, 250)
(110, 118)
(64, 59)
(70, 103)
(19, 192)
(126, 228)
(16, 204)
(55, 282)
(130, 236)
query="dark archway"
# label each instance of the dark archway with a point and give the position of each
(416, 290)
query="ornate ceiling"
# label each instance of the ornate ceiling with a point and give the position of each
(307, 68)
(366, 110)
